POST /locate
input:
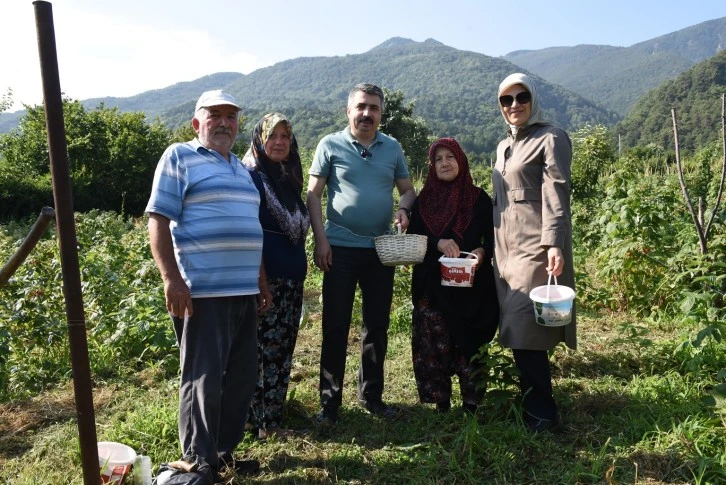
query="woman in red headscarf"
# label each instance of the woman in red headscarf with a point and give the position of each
(450, 323)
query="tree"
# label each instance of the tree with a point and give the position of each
(702, 228)
(112, 157)
(592, 153)
(6, 101)
(411, 132)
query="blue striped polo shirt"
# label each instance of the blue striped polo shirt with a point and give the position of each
(214, 208)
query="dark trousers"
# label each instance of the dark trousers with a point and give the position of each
(351, 267)
(535, 383)
(218, 354)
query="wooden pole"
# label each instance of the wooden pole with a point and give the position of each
(65, 222)
(36, 232)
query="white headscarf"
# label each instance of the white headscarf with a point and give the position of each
(535, 115)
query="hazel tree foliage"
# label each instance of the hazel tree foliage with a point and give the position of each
(112, 157)
(593, 153)
(411, 132)
(6, 101)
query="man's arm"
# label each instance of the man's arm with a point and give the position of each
(264, 297)
(323, 253)
(407, 195)
(177, 294)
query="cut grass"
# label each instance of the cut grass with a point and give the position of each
(628, 417)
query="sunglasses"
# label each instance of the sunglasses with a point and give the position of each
(522, 98)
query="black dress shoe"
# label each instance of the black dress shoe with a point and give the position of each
(381, 409)
(541, 425)
(327, 416)
(241, 467)
(443, 407)
(469, 408)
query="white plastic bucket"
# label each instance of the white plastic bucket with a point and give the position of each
(552, 304)
(116, 461)
(458, 271)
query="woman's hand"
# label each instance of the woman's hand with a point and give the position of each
(555, 261)
(449, 248)
(480, 254)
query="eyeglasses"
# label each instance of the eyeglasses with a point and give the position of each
(366, 154)
(522, 98)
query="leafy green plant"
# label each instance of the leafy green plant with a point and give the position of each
(497, 374)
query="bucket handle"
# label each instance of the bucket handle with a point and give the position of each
(470, 254)
(549, 280)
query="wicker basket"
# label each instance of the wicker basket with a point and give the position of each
(399, 249)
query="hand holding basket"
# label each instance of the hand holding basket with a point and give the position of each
(401, 249)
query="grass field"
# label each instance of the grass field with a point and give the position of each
(629, 416)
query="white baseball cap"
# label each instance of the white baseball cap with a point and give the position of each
(216, 97)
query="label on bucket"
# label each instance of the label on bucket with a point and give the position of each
(457, 271)
(553, 314)
(116, 475)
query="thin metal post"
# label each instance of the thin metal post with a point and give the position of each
(67, 241)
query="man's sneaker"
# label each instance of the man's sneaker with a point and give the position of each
(379, 408)
(327, 416)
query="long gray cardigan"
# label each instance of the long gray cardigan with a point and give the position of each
(531, 200)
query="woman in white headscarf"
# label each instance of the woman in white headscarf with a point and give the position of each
(533, 238)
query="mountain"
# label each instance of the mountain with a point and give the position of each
(454, 91)
(156, 102)
(616, 77)
(696, 96)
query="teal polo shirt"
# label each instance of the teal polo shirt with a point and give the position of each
(360, 189)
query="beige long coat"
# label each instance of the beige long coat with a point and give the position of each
(531, 200)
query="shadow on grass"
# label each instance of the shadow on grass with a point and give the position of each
(600, 428)
(615, 363)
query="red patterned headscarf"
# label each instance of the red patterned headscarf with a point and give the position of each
(448, 204)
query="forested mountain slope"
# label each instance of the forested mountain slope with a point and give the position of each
(696, 95)
(616, 77)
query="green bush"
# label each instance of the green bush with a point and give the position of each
(123, 303)
(111, 158)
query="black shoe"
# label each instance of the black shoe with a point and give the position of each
(541, 425)
(443, 407)
(380, 409)
(241, 467)
(469, 408)
(327, 416)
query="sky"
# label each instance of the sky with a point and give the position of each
(125, 47)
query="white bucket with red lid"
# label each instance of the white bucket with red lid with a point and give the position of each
(458, 271)
(116, 461)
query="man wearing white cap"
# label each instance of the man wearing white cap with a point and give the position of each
(206, 240)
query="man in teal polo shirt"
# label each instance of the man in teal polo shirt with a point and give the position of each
(360, 166)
